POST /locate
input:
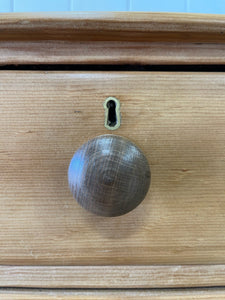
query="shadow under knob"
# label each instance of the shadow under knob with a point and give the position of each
(109, 175)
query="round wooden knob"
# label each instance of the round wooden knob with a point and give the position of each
(109, 175)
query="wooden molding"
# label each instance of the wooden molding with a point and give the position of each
(112, 38)
(113, 294)
(112, 276)
(113, 26)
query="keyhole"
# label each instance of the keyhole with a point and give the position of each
(112, 113)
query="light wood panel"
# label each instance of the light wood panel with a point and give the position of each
(177, 119)
(131, 277)
(209, 294)
(111, 38)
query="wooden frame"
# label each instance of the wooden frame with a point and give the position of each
(112, 38)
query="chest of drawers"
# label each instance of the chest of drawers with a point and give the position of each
(167, 73)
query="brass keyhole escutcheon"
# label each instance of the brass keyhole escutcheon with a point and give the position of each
(112, 113)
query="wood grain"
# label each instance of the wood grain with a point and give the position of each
(111, 38)
(109, 175)
(177, 119)
(132, 277)
(191, 294)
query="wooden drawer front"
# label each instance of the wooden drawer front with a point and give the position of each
(177, 119)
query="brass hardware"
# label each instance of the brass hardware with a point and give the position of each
(112, 113)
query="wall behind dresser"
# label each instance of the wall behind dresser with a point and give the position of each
(195, 6)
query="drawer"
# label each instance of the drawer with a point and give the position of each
(178, 121)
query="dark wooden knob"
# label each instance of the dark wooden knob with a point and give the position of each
(109, 175)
